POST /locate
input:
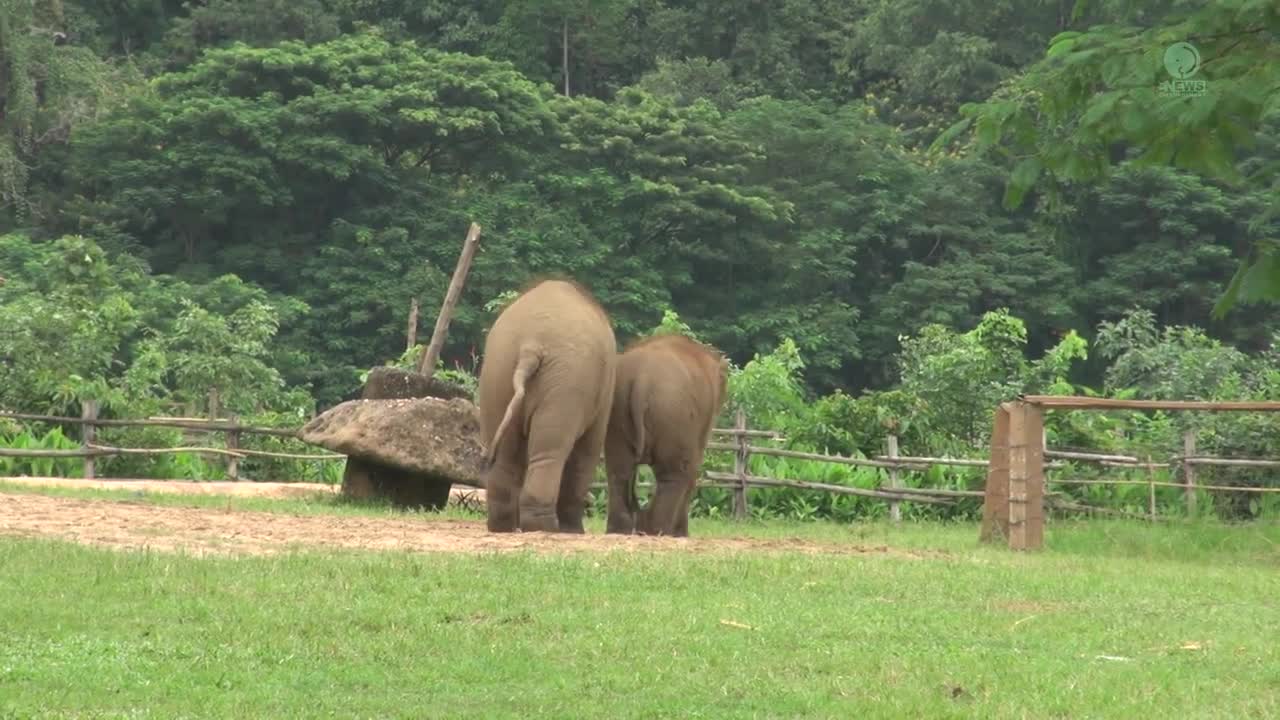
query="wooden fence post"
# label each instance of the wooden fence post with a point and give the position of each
(88, 413)
(740, 457)
(1013, 506)
(895, 478)
(1189, 470)
(233, 443)
(1026, 476)
(215, 405)
(1151, 490)
(215, 409)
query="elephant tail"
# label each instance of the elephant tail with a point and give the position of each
(526, 365)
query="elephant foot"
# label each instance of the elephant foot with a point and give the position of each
(533, 521)
(550, 526)
(572, 526)
(501, 521)
(619, 526)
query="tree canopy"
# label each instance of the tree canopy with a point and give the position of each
(771, 172)
(1198, 90)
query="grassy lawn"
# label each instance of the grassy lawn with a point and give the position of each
(1115, 619)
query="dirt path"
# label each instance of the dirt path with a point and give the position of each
(238, 489)
(203, 531)
(459, 495)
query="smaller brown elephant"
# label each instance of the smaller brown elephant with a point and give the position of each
(667, 394)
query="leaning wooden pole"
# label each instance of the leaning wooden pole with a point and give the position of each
(427, 366)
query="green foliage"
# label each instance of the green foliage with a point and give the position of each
(77, 324)
(65, 315)
(503, 299)
(760, 176)
(950, 383)
(687, 81)
(51, 439)
(961, 378)
(769, 389)
(1113, 86)
(1163, 240)
(842, 424)
(412, 110)
(205, 353)
(47, 89)
(259, 23)
(302, 168)
(663, 187)
(672, 324)
(1173, 363)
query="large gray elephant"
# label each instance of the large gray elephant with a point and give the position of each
(546, 388)
(668, 392)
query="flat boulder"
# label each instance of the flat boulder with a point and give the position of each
(427, 436)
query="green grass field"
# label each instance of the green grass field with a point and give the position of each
(1113, 619)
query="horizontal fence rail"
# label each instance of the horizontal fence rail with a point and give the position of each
(180, 423)
(108, 451)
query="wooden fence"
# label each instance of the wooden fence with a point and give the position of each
(739, 480)
(896, 463)
(91, 450)
(1014, 500)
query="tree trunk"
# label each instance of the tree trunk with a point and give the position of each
(564, 54)
(411, 336)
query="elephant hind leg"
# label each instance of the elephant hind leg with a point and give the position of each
(502, 488)
(549, 449)
(643, 524)
(682, 518)
(620, 466)
(579, 473)
(681, 527)
(623, 516)
(671, 496)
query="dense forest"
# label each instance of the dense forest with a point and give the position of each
(245, 196)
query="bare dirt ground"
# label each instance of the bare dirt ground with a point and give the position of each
(238, 489)
(128, 524)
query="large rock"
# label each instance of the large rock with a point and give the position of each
(424, 436)
(409, 450)
(389, 459)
